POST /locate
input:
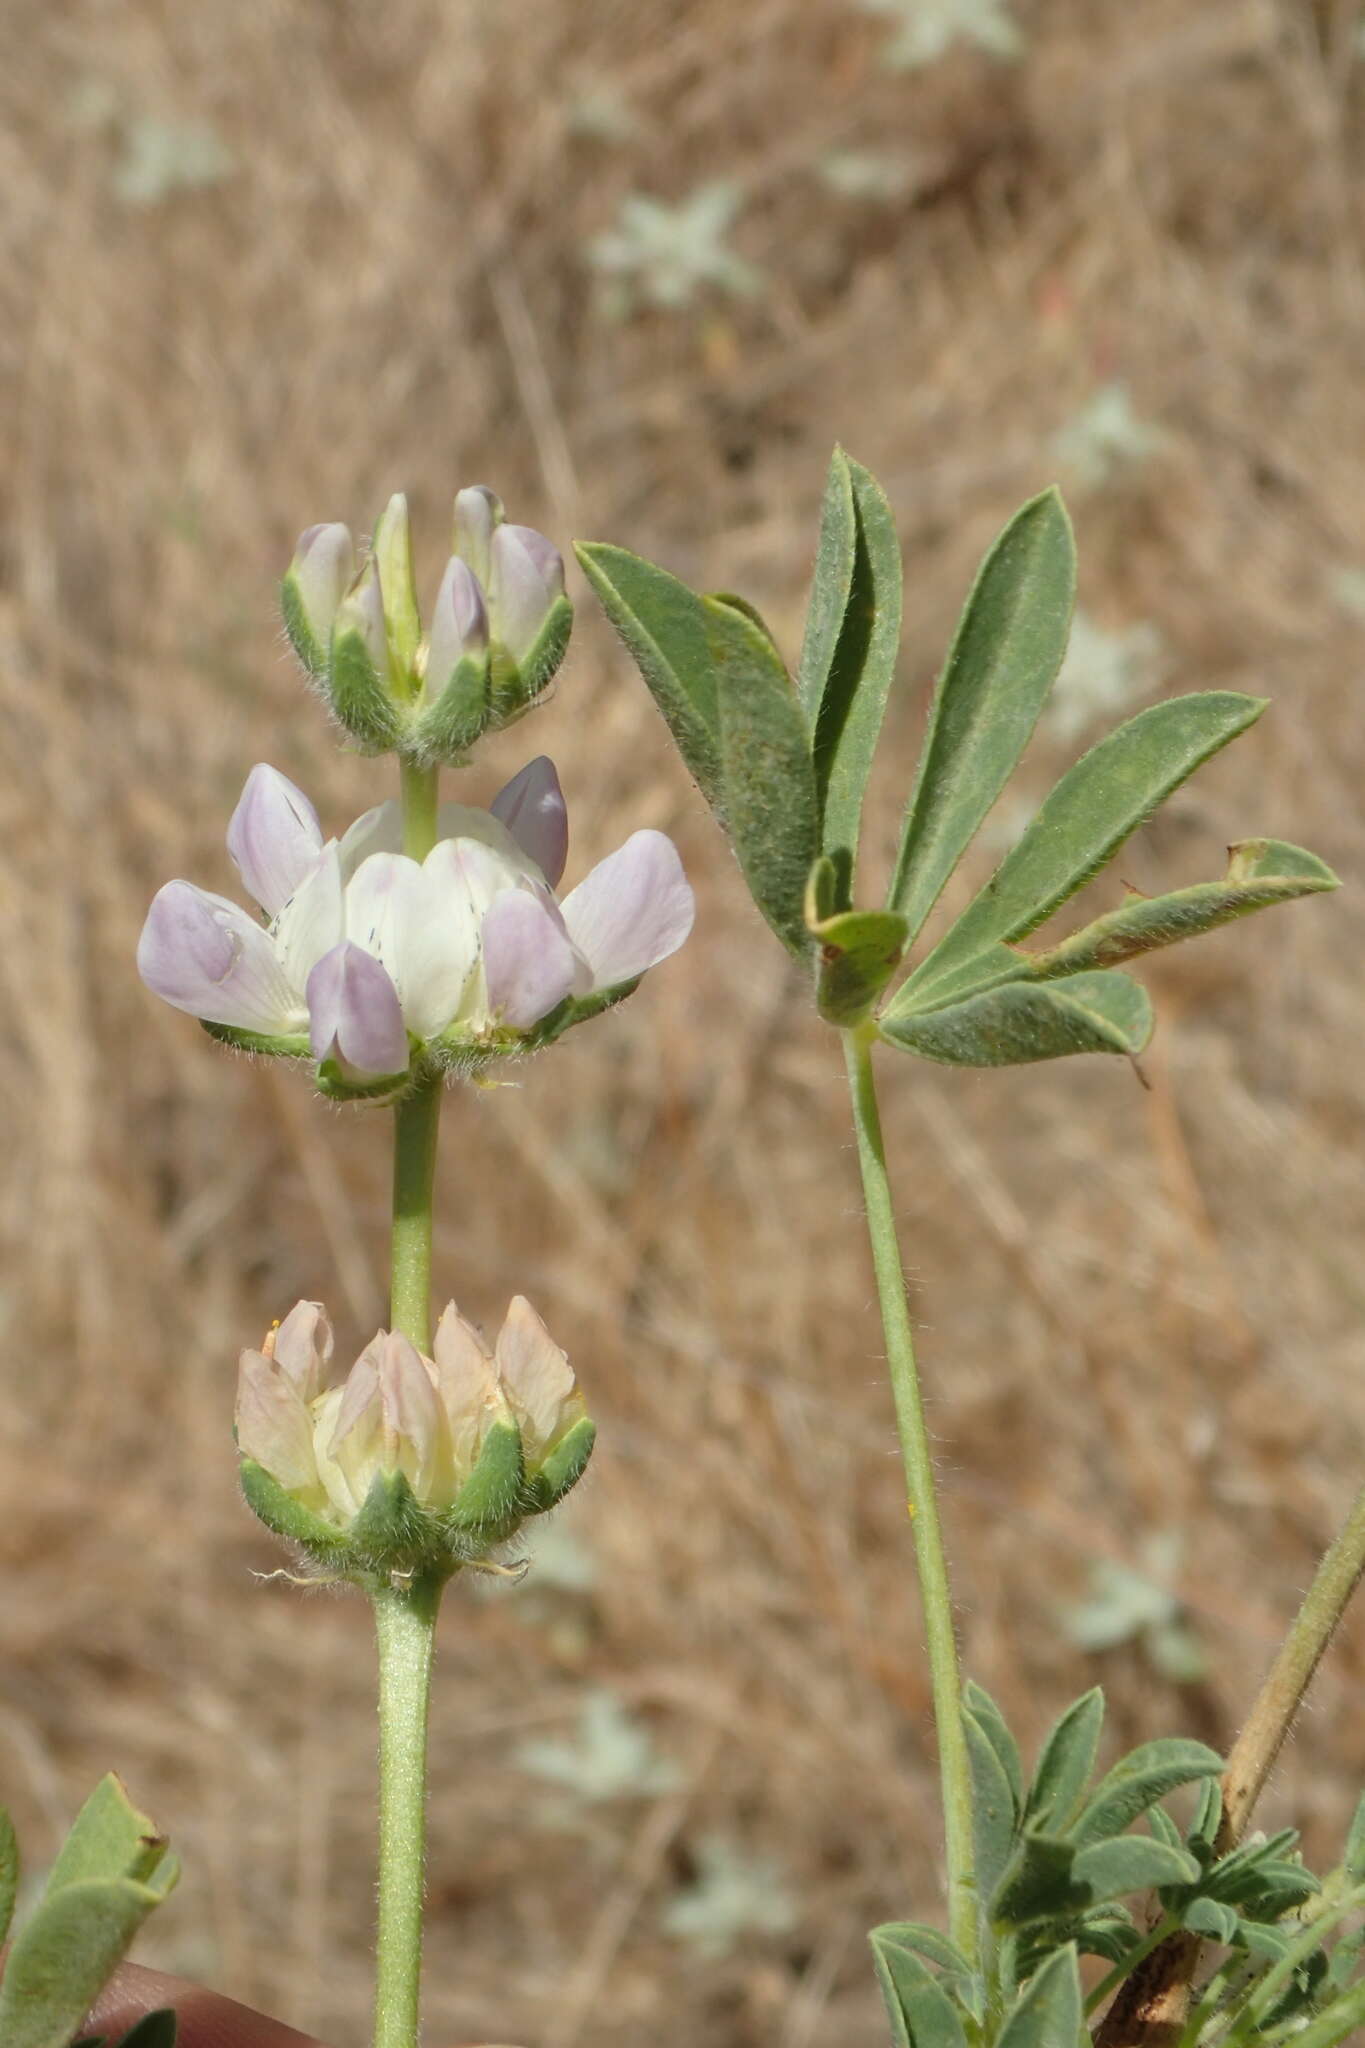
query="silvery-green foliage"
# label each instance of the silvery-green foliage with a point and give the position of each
(924, 30)
(1062, 1859)
(733, 1894)
(664, 256)
(611, 1756)
(111, 1871)
(1106, 439)
(785, 762)
(876, 175)
(160, 158)
(1126, 1605)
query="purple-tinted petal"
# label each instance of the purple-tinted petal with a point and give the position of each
(273, 836)
(355, 1017)
(206, 955)
(273, 1423)
(313, 920)
(302, 1348)
(633, 910)
(478, 514)
(323, 565)
(533, 809)
(459, 626)
(528, 963)
(362, 611)
(526, 576)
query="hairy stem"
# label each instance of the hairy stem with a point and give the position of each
(416, 1125)
(1270, 1720)
(405, 1623)
(405, 1610)
(921, 1498)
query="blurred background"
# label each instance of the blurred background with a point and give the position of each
(638, 265)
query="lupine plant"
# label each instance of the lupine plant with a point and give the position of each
(1040, 1868)
(425, 945)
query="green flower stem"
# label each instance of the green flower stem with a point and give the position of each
(405, 1612)
(416, 1125)
(921, 1499)
(419, 789)
(417, 1117)
(405, 1622)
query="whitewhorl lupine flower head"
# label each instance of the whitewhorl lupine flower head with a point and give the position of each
(498, 629)
(408, 1462)
(375, 965)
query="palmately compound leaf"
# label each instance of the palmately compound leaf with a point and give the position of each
(1138, 1780)
(1065, 1764)
(1021, 1022)
(1048, 2012)
(922, 2014)
(664, 626)
(852, 644)
(1095, 807)
(770, 801)
(1004, 659)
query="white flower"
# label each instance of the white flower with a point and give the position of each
(366, 950)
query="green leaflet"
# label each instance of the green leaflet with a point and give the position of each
(770, 802)
(664, 626)
(1004, 658)
(994, 1814)
(111, 1871)
(921, 2012)
(1130, 1863)
(1095, 807)
(1019, 1021)
(1048, 2014)
(994, 1726)
(1065, 1763)
(1261, 873)
(852, 644)
(1140, 1779)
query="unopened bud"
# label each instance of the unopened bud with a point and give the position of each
(358, 675)
(408, 1463)
(323, 565)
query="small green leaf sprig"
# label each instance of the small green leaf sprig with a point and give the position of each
(112, 1870)
(785, 765)
(1059, 1854)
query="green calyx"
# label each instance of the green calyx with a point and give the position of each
(485, 693)
(396, 1534)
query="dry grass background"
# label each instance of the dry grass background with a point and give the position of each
(1141, 1312)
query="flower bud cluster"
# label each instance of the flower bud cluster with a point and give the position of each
(498, 631)
(408, 1463)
